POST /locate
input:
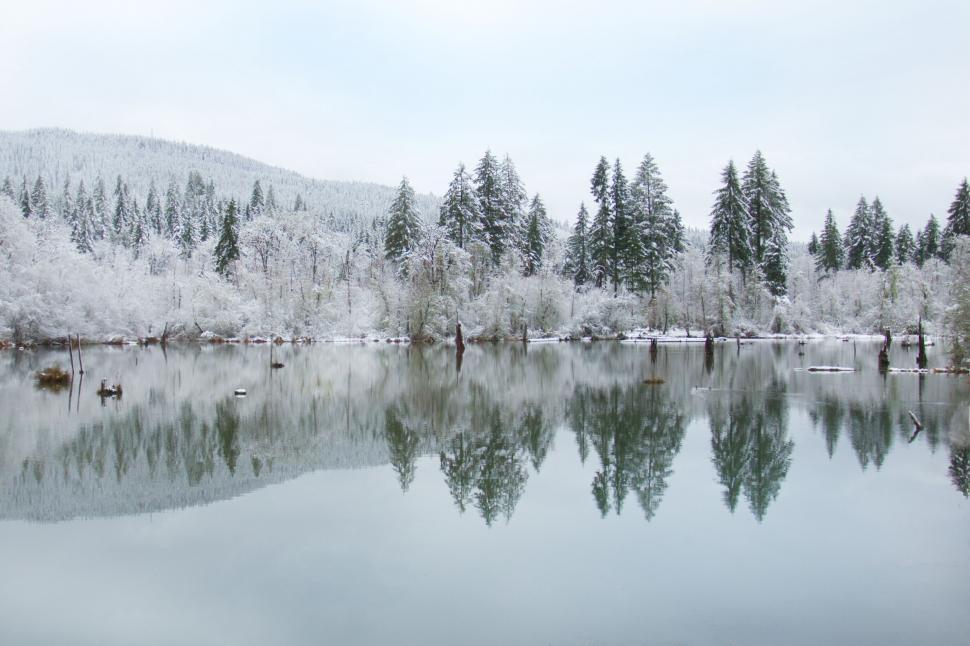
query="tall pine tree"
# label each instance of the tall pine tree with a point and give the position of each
(227, 248)
(730, 224)
(958, 220)
(488, 188)
(905, 246)
(601, 230)
(830, 254)
(402, 223)
(883, 237)
(859, 238)
(619, 206)
(459, 214)
(577, 262)
(656, 235)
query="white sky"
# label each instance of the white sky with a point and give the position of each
(844, 98)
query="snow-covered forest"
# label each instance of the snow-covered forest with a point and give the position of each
(124, 237)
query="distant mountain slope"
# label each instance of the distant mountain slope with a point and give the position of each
(58, 155)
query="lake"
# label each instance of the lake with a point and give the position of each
(540, 494)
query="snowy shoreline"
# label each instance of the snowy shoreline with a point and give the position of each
(633, 337)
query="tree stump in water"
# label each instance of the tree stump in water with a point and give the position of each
(459, 340)
(884, 352)
(921, 348)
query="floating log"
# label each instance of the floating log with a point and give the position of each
(239, 392)
(653, 381)
(829, 369)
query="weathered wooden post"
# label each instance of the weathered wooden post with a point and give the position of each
(70, 352)
(459, 340)
(80, 361)
(921, 347)
(884, 352)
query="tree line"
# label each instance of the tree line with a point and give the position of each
(870, 241)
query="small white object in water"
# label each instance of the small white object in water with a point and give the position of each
(240, 392)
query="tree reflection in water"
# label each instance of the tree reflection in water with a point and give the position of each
(173, 443)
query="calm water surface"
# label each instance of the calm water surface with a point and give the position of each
(379, 494)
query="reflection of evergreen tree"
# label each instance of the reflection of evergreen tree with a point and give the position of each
(536, 435)
(729, 446)
(636, 435)
(402, 446)
(485, 466)
(227, 428)
(870, 432)
(830, 413)
(577, 416)
(770, 456)
(460, 469)
(750, 449)
(960, 468)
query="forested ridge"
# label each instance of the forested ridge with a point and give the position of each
(111, 236)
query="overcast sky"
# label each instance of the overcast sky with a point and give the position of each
(844, 98)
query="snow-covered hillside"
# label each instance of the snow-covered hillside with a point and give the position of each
(59, 155)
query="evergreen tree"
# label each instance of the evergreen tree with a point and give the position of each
(459, 212)
(271, 207)
(81, 230)
(227, 249)
(601, 231)
(256, 201)
(153, 210)
(298, 204)
(813, 244)
(858, 238)
(8, 190)
(514, 198)
(536, 236)
(882, 253)
(830, 251)
(100, 222)
(656, 235)
(619, 201)
(774, 264)
(905, 246)
(958, 220)
(755, 186)
(577, 262)
(39, 206)
(122, 215)
(730, 224)
(402, 224)
(25, 206)
(928, 243)
(488, 189)
(173, 209)
(138, 229)
(68, 210)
